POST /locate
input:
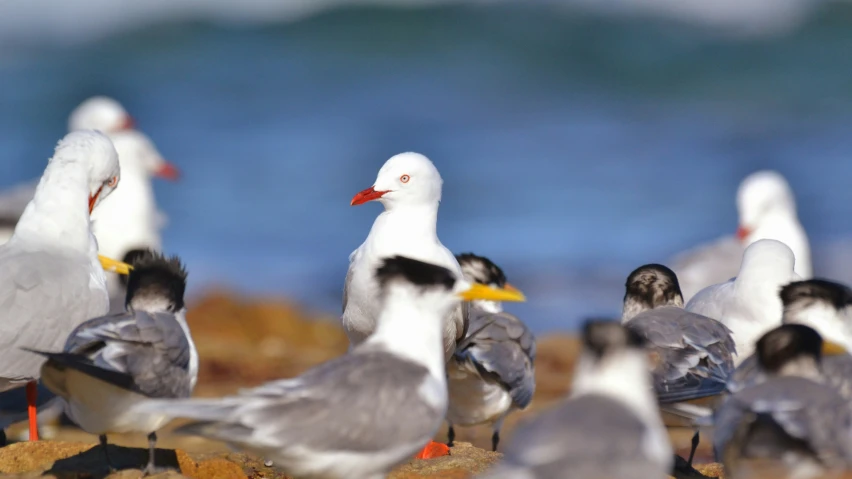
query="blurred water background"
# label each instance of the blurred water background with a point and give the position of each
(577, 140)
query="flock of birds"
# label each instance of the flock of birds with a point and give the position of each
(736, 337)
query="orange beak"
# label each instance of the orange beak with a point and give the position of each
(168, 172)
(743, 232)
(94, 199)
(369, 194)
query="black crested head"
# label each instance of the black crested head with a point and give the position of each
(155, 278)
(129, 258)
(602, 337)
(481, 270)
(415, 272)
(806, 293)
(651, 286)
(786, 343)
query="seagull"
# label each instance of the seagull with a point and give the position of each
(100, 113)
(749, 304)
(826, 307)
(52, 278)
(692, 355)
(792, 421)
(609, 426)
(491, 373)
(767, 210)
(409, 187)
(112, 362)
(365, 412)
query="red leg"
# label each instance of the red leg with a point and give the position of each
(433, 450)
(32, 412)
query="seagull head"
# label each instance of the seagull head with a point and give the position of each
(761, 196)
(100, 113)
(138, 155)
(156, 283)
(98, 152)
(793, 350)
(648, 287)
(769, 259)
(427, 285)
(406, 178)
(822, 305)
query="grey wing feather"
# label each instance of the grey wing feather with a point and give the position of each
(694, 354)
(42, 298)
(150, 349)
(838, 373)
(589, 436)
(366, 402)
(748, 373)
(805, 410)
(502, 346)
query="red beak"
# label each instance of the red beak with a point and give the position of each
(369, 194)
(743, 232)
(93, 199)
(128, 124)
(168, 172)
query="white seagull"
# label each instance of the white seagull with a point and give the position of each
(409, 187)
(609, 426)
(767, 210)
(51, 278)
(749, 304)
(113, 362)
(365, 412)
(492, 371)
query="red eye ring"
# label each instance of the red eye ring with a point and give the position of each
(113, 181)
(404, 178)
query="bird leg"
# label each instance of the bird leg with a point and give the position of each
(451, 436)
(495, 439)
(103, 440)
(695, 441)
(32, 411)
(151, 469)
(433, 450)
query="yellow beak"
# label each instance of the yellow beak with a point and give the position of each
(114, 266)
(480, 291)
(832, 349)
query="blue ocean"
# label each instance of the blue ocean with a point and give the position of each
(575, 143)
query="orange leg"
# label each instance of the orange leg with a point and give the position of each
(32, 412)
(433, 450)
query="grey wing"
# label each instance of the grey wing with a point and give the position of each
(838, 373)
(42, 298)
(707, 264)
(501, 346)
(150, 349)
(590, 436)
(692, 355)
(367, 401)
(804, 410)
(748, 373)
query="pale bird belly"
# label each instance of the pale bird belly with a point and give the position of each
(101, 408)
(474, 400)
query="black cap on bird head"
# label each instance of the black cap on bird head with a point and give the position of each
(602, 337)
(651, 286)
(802, 294)
(415, 272)
(787, 344)
(480, 269)
(156, 283)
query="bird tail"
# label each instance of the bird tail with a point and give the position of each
(699, 416)
(218, 409)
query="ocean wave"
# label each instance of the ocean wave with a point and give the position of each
(86, 20)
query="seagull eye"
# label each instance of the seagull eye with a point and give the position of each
(404, 178)
(113, 181)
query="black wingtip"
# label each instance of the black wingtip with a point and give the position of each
(481, 269)
(415, 272)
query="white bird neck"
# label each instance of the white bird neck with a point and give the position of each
(410, 331)
(622, 376)
(831, 324)
(492, 307)
(404, 224)
(58, 214)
